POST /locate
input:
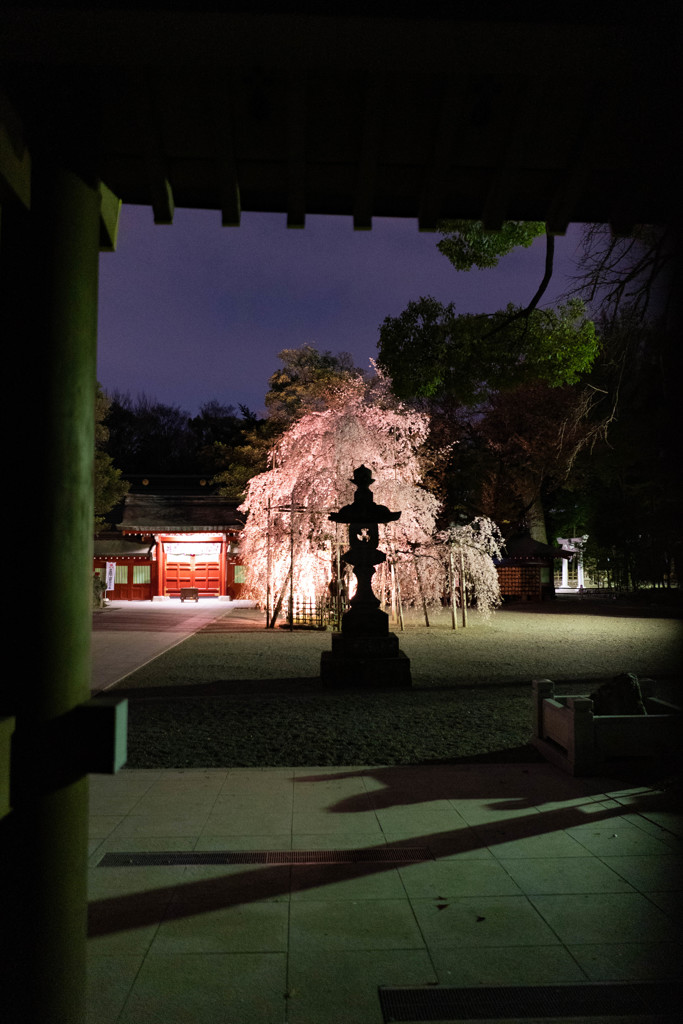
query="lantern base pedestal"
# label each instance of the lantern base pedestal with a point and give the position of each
(365, 660)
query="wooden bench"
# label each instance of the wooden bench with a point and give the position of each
(189, 594)
(567, 732)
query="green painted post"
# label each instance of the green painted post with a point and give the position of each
(49, 317)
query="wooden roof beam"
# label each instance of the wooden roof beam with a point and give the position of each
(366, 171)
(228, 178)
(437, 172)
(161, 192)
(573, 180)
(296, 153)
(520, 126)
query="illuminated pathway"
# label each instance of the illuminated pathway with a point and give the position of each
(129, 634)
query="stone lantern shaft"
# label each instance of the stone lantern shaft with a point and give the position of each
(365, 651)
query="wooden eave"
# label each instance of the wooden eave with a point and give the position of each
(429, 112)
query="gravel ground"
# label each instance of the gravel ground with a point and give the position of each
(233, 695)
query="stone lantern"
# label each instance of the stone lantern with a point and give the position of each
(364, 651)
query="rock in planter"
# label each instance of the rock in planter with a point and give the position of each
(620, 696)
(568, 732)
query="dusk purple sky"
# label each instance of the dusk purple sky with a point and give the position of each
(195, 311)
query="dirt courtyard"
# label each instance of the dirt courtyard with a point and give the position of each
(558, 640)
(235, 694)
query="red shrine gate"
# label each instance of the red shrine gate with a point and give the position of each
(199, 564)
(169, 543)
(175, 562)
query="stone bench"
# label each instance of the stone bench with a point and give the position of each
(570, 735)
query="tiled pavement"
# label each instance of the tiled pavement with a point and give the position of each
(532, 878)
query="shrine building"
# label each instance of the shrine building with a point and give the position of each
(166, 544)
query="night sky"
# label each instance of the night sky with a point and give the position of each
(194, 311)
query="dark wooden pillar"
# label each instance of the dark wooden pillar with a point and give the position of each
(48, 317)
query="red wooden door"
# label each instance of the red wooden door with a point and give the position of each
(205, 576)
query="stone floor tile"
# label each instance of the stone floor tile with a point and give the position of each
(618, 839)
(120, 925)
(420, 819)
(669, 821)
(353, 924)
(144, 844)
(341, 987)
(329, 790)
(123, 881)
(506, 842)
(484, 812)
(598, 917)
(324, 822)
(672, 836)
(223, 885)
(564, 874)
(274, 841)
(670, 902)
(629, 961)
(649, 873)
(102, 825)
(460, 844)
(481, 921)
(245, 988)
(116, 802)
(256, 803)
(193, 777)
(196, 927)
(246, 823)
(338, 840)
(439, 879)
(506, 965)
(109, 981)
(370, 881)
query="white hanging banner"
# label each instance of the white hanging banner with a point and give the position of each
(111, 575)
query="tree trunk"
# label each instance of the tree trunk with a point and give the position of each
(278, 603)
(536, 518)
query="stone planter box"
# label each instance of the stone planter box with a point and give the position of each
(567, 732)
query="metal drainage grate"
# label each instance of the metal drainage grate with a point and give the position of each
(441, 1003)
(390, 855)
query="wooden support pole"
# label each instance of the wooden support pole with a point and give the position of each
(454, 610)
(48, 307)
(268, 566)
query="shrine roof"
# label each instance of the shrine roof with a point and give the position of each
(111, 546)
(162, 513)
(525, 549)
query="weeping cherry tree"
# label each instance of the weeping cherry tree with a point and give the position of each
(288, 540)
(289, 543)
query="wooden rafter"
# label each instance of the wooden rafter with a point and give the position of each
(370, 145)
(156, 164)
(222, 112)
(519, 127)
(436, 179)
(296, 153)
